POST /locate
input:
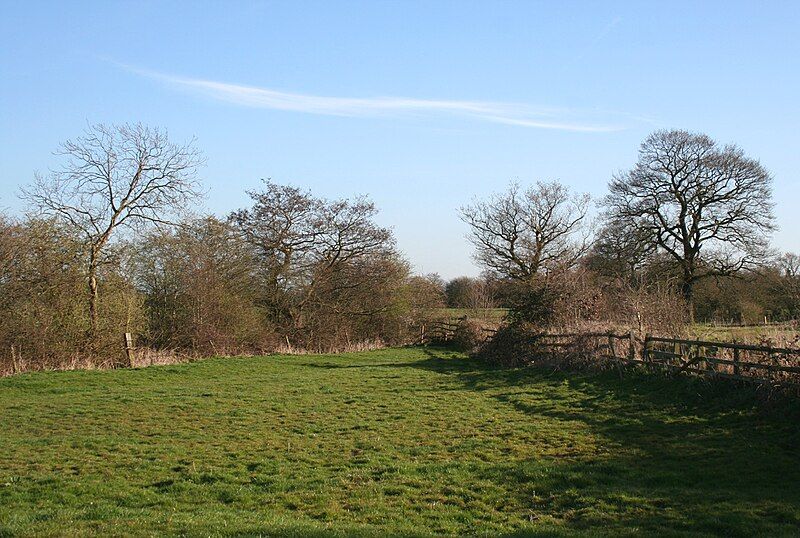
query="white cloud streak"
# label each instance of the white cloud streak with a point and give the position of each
(265, 98)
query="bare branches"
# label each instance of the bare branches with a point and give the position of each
(305, 244)
(708, 206)
(621, 252)
(519, 234)
(121, 176)
(114, 176)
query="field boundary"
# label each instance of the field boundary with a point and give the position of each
(764, 365)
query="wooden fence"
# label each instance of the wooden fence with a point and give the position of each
(438, 332)
(597, 345)
(742, 362)
(729, 360)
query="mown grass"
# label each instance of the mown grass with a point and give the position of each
(399, 442)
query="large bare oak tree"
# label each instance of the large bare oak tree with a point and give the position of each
(113, 177)
(706, 205)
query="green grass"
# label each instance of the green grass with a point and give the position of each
(778, 334)
(401, 442)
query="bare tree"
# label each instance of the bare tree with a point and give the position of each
(481, 298)
(304, 242)
(789, 265)
(349, 237)
(708, 206)
(283, 225)
(467, 292)
(458, 291)
(114, 177)
(519, 234)
(620, 253)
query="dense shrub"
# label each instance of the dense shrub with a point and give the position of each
(200, 289)
(654, 309)
(364, 300)
(512, 345)
(532, 302)
(43, 308)
(468, 336)
(521, 344)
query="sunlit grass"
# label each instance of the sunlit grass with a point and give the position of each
(778, 335)
(402, 442)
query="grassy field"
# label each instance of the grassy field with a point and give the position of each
(778, 335)
(403, 442)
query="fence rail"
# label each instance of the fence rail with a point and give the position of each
(437, 332)
(749, 363)
(730, 360)
(742, 362)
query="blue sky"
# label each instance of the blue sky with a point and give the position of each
(422, 106)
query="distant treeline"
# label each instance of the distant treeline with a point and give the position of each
(768, 295)
(111, 246)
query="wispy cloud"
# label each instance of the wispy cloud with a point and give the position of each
(607, 30)
(591, 46)
(266, 98)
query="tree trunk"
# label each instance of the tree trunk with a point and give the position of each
(687, 290)
(93, 301)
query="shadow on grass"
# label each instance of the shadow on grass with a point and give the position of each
(300, 531)
(680, 454)
(305, 532)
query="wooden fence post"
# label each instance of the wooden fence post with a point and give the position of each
(14, 366)
(129, 349)
(673, 355)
